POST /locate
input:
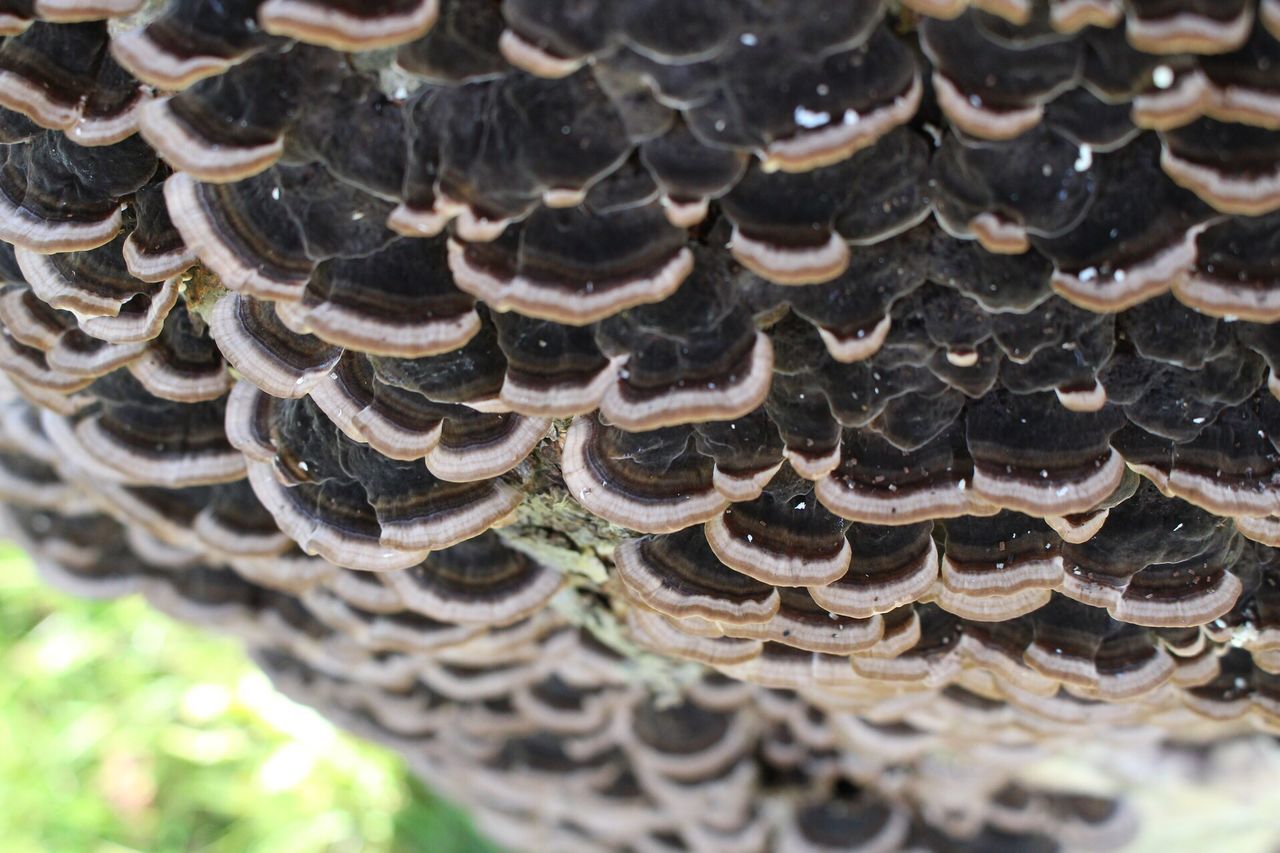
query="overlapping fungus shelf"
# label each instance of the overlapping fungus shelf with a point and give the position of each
(671, 425)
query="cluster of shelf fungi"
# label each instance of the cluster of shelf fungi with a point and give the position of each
(725, 425)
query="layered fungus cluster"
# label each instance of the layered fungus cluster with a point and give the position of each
(720, 425)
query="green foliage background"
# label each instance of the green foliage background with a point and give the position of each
(123, 730)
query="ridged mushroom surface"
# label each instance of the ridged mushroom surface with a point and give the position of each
(767, 426)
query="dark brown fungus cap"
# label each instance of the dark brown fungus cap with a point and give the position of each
(1229, 695)
(15, 127)
(56, 196)
(1091, 122)
(265, 351)
(679, 575)
(1186, 551)
(1265, 601)
(803, 624)
(1182, 594)
(31, 483)
(349, 25)
(27, 318)
(234, 524)
(707, 30)
(706, 361)
(562, 707)
(216, 131)
(655, 632)
(1000, 192)
(62, 78)
(479, 581)
(376, 631)
(852, 311)
(784, 537)
(1188, 26)
(1235, 274)
(1063, 464)
(182, 363)
(551, 42)
(687, 742)
(140, 318)
(781, 667)
(68, 351)
(748, 453)
(792, 229)
(1164, 330)
(653, 482)
(552, 370)
(45, 347)
(811, 436)
(999, 648)
(190, 40)
(909, 406)
(154, 250)
(417, 510)
(933, 661)
(1147, 391)
(290, 571)
(266, 260)
(28, 369)
(398, 423)
(876, 483)
(889, 567)
(1136, 239)
(90, 283)
(1001, 284)
(849, 819)
(1240, 86)
(375, 159)
(999, 567)
(1234, 167)
(575, 266)
(1081, 526)
(717, 59)
(690, 173)
(348, 504)
(475, 445)
(484, 173)
(1232, 468)
(975, 82)
(462, 47)
(471, 375)
(263, 235)
(84, 554)
(858, 96)
(1129, 665)
(398, 301)
(1068, 818)
(134, 438)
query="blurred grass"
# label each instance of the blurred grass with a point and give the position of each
(123, 730)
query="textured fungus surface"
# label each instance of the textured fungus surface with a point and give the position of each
(672, 425)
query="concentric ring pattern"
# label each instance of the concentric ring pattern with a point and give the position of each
(672, 425)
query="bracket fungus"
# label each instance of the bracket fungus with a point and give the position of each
(765, 426)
